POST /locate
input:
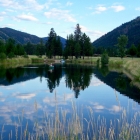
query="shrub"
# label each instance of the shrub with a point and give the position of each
(2, 56)
(104, 58)
(11, 55)
(25, 55)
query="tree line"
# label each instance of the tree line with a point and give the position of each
(77, 45)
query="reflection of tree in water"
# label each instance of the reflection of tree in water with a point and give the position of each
(40, 72)
(12, 73)
(121, 82)
(78, 78)
(104, 70)
(53, 77)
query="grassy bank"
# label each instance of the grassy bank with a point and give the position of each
(15, 61)
(127, 65)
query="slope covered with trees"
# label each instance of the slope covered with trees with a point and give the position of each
(22, 37)
(130, 29)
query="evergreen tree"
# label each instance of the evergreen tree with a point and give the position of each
(2, 47)
(138, 50)
(40, 48)
(50, 43)
(122, 41)
(10, 47)
(59, 47)
(132, 50)
(77, 33)
(77, 50)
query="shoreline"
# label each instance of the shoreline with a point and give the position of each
(129, 66)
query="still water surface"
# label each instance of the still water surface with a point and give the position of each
(29, 93)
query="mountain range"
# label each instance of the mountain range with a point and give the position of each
(22, 37)
(131, 29)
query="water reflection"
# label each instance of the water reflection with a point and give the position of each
(30, 95)
(77, 78)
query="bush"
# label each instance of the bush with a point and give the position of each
(25, 55)
(104, 59)
(2, 56)
(11, 55)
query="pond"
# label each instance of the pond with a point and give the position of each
(67, 102)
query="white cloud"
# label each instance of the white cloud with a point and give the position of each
(99, 9)
(137, 9)
(48, 23)
(32, 4)
(60, 15)
(93, 34)
(11, 4)
(97, 106)
(118, 8)
(7, 25)
(27, 17)
(96, 83)
(25, 96)
(69, 3)
(10, 10)
(115, 108)
(24, 5)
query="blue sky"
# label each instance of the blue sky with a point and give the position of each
(96, 18)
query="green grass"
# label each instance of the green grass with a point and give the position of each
(15, 61)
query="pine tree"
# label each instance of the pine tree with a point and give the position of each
(50, 43)
(122, 41)
(77, 33)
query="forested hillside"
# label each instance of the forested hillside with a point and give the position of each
(130, 29)
(23, 38)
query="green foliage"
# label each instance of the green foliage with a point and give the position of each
(2, 56)
(104, 70)
(77, 33)
(122, 41)
(30, 49)
(2, 47)
(132, 50)
(121, 83)
(130, 29)
(10, 46)
(78, 44)
(40, 49)
(50, 44)
(25, 55)
(77, 50)
(11, 55)
(104, 58)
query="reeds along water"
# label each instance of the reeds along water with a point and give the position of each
(73, 124)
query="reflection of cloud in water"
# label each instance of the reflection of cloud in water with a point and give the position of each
(22, 84)
(61, 100)
(4, 109)
(115, 108)
(25, 96)
(97, 107)
(6, 119)
(6, 87)
(2, 99)
(96, 83)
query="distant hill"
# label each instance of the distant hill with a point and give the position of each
(22, 37)
(130, 29)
